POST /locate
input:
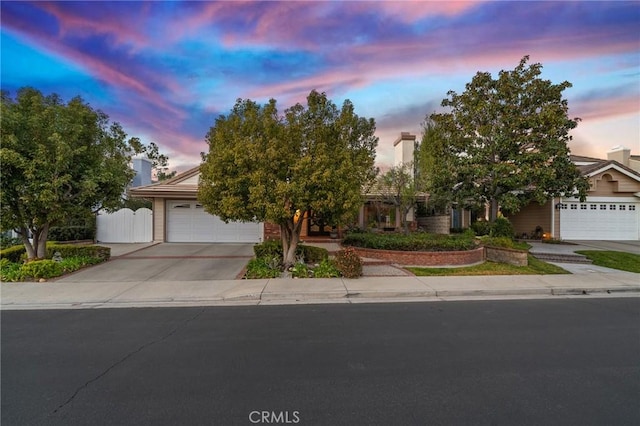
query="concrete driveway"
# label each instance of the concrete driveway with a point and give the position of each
(169, 262)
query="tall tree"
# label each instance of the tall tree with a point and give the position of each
(398, 187)
(504, 142)
(159, 162)
(59, 160)
(263, 166)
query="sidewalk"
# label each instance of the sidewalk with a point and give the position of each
(70, 295)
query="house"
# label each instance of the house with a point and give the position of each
(610, 212)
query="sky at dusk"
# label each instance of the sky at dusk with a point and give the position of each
(166, 70)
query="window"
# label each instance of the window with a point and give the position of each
(612, 207)
(563, 206)
(603, 206)
(623, 207)
(593, 206)
(182, 206)
(574, 207)
(632, 208)
(583, 206)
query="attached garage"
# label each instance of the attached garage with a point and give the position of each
(188, 222)
(606, 220)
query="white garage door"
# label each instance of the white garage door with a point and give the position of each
(188, 222)
(599, 221)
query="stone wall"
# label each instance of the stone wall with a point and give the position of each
(425, 258)
(505, 255)
(435, 224)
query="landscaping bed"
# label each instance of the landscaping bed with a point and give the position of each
(61, 259)
(534, 267)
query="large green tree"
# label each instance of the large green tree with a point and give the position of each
(503, 141)
(398, 187)
(59, 160)
(264, 166)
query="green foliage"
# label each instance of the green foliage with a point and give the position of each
(263, 268)
(72, 250)
(7, 241)
(501, 227)
(503, 142)
(41, 269)
(273, 249)
(71, 233)
(326, 269)
(13, 253)
(348, 263)
(481, 227)
(59, 160)
(418, 241)
(266, 166)
(535, 267)
(398, 187)
(301, 270)
(503, 242)
(622, 261)
(10, 271)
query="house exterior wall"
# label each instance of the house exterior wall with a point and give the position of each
(158, 219)
(612, 183)
(531, 216)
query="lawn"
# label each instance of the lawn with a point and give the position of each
(536, 267)
(614, 259)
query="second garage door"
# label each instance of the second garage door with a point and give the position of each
(188, 222)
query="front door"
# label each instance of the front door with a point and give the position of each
(317, 225)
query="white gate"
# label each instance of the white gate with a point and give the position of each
(125, 226)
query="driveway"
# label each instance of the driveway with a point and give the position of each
(170, 262)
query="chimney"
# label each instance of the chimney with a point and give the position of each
(404, 148)
(620, 154)
(142, 167)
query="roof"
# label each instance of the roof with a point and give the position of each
(170, 188)
(604, 165)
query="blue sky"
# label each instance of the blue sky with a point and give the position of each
(166, 70)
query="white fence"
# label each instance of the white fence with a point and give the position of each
(125, 226)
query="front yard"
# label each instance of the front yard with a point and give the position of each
(535, 267)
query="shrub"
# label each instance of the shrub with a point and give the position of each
(71, 264)
(71, 233)
(10, 271)
(481, 227)
(501, 227)
(13, 254)
(262, 268)
(418, 241)
(41, 269)
(504, 242)
(348, 263)
(72, 250)
(326, 269)
(300, 270)
(7, 241)
(272, 249)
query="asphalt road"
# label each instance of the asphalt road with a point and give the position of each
(556, 362)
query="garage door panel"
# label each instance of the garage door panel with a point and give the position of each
(599, 221)
(188, 221)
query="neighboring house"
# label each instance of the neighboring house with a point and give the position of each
(610, 212)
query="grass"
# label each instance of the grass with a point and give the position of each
(614, 259)
(536, 267)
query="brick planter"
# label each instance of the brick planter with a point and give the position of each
(425, 258)
(505, 255)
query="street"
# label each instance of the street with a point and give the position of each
(555, 362)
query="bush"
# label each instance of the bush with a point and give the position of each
(10, 271)
(481, 228)
(7, 241)
(13, 254)
(41, 269)
(326, 269)
(262, 268)
(272, 249)
(418, 241)
(300, 270)
(348, 263)
(504, 242)
(501, 227)
(71, 233)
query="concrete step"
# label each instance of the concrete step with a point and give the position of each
(562, 258)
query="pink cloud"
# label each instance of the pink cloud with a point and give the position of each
(596, 109)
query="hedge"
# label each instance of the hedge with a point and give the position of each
(418, 241)
(71, 233)
(17, 253)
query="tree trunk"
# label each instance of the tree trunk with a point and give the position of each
(24, 235)
(42, 241)
(493, 213)
(290, 235)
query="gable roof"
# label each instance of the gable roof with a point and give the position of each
(603, 166)
(176, 187)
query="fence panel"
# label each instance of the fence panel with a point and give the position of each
(125, 226)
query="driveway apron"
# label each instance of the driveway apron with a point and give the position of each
(171, 262)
